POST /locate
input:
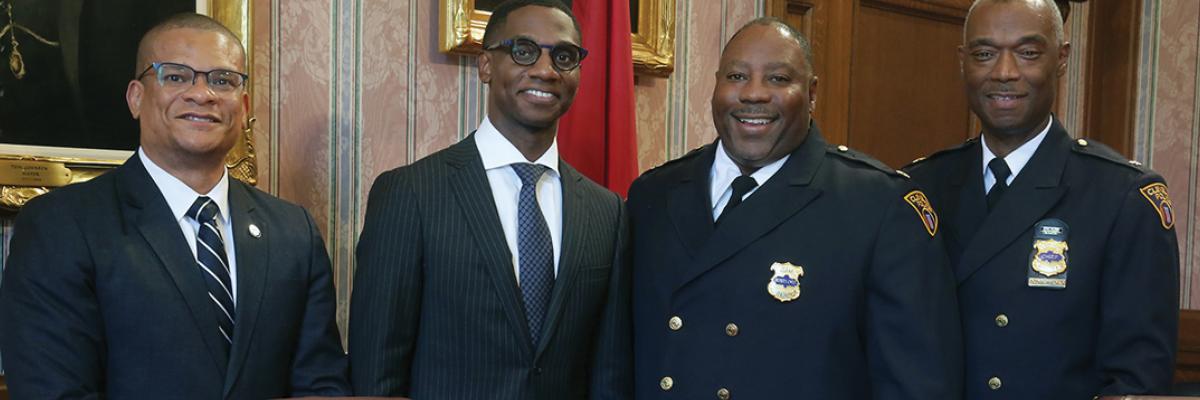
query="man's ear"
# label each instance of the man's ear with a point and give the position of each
(1064, 55)
(133, 97)
(485, 67)
(812, 94)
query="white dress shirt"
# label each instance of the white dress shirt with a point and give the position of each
(1016, 160)
(180, 198)
(498, 154)
(724, 171)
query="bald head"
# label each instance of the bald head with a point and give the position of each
(1046, 10)
(785, 30)
(194, 21)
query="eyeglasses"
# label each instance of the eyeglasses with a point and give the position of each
(179, 76)
(525, 52)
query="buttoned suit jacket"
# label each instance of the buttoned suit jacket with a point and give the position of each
(101, 298)
(1112, 330)
(875, 317)
(436, 311)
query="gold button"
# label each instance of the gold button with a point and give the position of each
(731, 329)
(843, 148)
(1001, 320)
(994, 383)
(675, 323)
(666, 383)
(1082, 142)
(723, 394)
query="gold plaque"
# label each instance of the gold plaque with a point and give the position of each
(34, 173)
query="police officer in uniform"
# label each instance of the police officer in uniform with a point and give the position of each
(770, 264)
(1064, 251)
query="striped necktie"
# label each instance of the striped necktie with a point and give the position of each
(214, 267)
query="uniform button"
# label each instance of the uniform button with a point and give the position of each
(723, 394)
(731, 329)
(843, 148)
(1001, 320)
(1082, 142)
(666, 383)
(994, 383)
(675, 323)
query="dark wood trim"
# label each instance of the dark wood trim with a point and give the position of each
(3, 388)
(1187, 357)
(1110, 104)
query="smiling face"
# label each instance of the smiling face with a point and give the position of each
(762, 102)
(523, 99)
(192, 124)
(1011, 59)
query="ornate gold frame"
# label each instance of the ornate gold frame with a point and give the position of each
(461, 32)
(45, 168)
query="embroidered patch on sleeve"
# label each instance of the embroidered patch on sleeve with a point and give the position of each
(920, 203)
(1156, 193)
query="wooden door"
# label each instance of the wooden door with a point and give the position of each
(888, 74)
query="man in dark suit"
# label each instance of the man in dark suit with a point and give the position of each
(771, 264)
(164, 278)
(492, 269)
(1064, 251)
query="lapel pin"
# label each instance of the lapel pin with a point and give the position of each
(254, 231)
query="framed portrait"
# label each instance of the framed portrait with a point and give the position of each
(66, 65)
(652, 24)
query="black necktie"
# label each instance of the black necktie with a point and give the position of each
(210, 255)
(1000, 171)
(741, 185)
(535, 250)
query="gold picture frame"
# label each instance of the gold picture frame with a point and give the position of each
(462, 24)
(28, 171)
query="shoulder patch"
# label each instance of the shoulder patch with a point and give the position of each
(1156, 193)
(1099, 150)
(861, 158)
(924, 210)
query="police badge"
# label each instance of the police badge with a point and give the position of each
(1048, 262)
(785, 285)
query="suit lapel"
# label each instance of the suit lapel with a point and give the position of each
(965, 202)
(253, 261)
(574, 214)
(473, 194)
(689, 206)
(783, 195)
(155, 222)
(1033, 193)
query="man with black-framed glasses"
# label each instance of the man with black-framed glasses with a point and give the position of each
(164, 278)
(492, 269)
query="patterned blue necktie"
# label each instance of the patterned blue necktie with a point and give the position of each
(535, 250)
(214, 267)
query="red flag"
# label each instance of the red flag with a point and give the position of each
(598, 136)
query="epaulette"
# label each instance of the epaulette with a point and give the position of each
(1103, 152)
(687, 156)
(862, 158)
(939, 153)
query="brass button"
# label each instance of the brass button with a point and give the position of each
(675, 323)
(1001, 320)
(994, 383)
(666, 383)
(843, 148)
(731, 329)
(1082, 142)
(723, 394)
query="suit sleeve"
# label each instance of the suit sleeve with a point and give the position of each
(913, 334)
(1139, 300)
(385, 304)
(319, 366)
(52, 339)
(612, 367)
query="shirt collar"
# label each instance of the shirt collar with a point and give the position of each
(497, 152)
(1017, 159)
(724, 171)
(180, 196)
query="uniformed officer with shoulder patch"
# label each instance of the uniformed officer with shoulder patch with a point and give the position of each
(771, 264)
(1064, 251)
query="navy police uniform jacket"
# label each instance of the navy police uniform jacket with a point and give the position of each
(1069, 287)
(825, 283)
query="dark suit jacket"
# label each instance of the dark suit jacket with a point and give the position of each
(875, 317)
(436, 311)
(1112, 329)
(101, 298)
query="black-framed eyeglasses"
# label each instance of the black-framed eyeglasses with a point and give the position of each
(564, 56)
(178, 76)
